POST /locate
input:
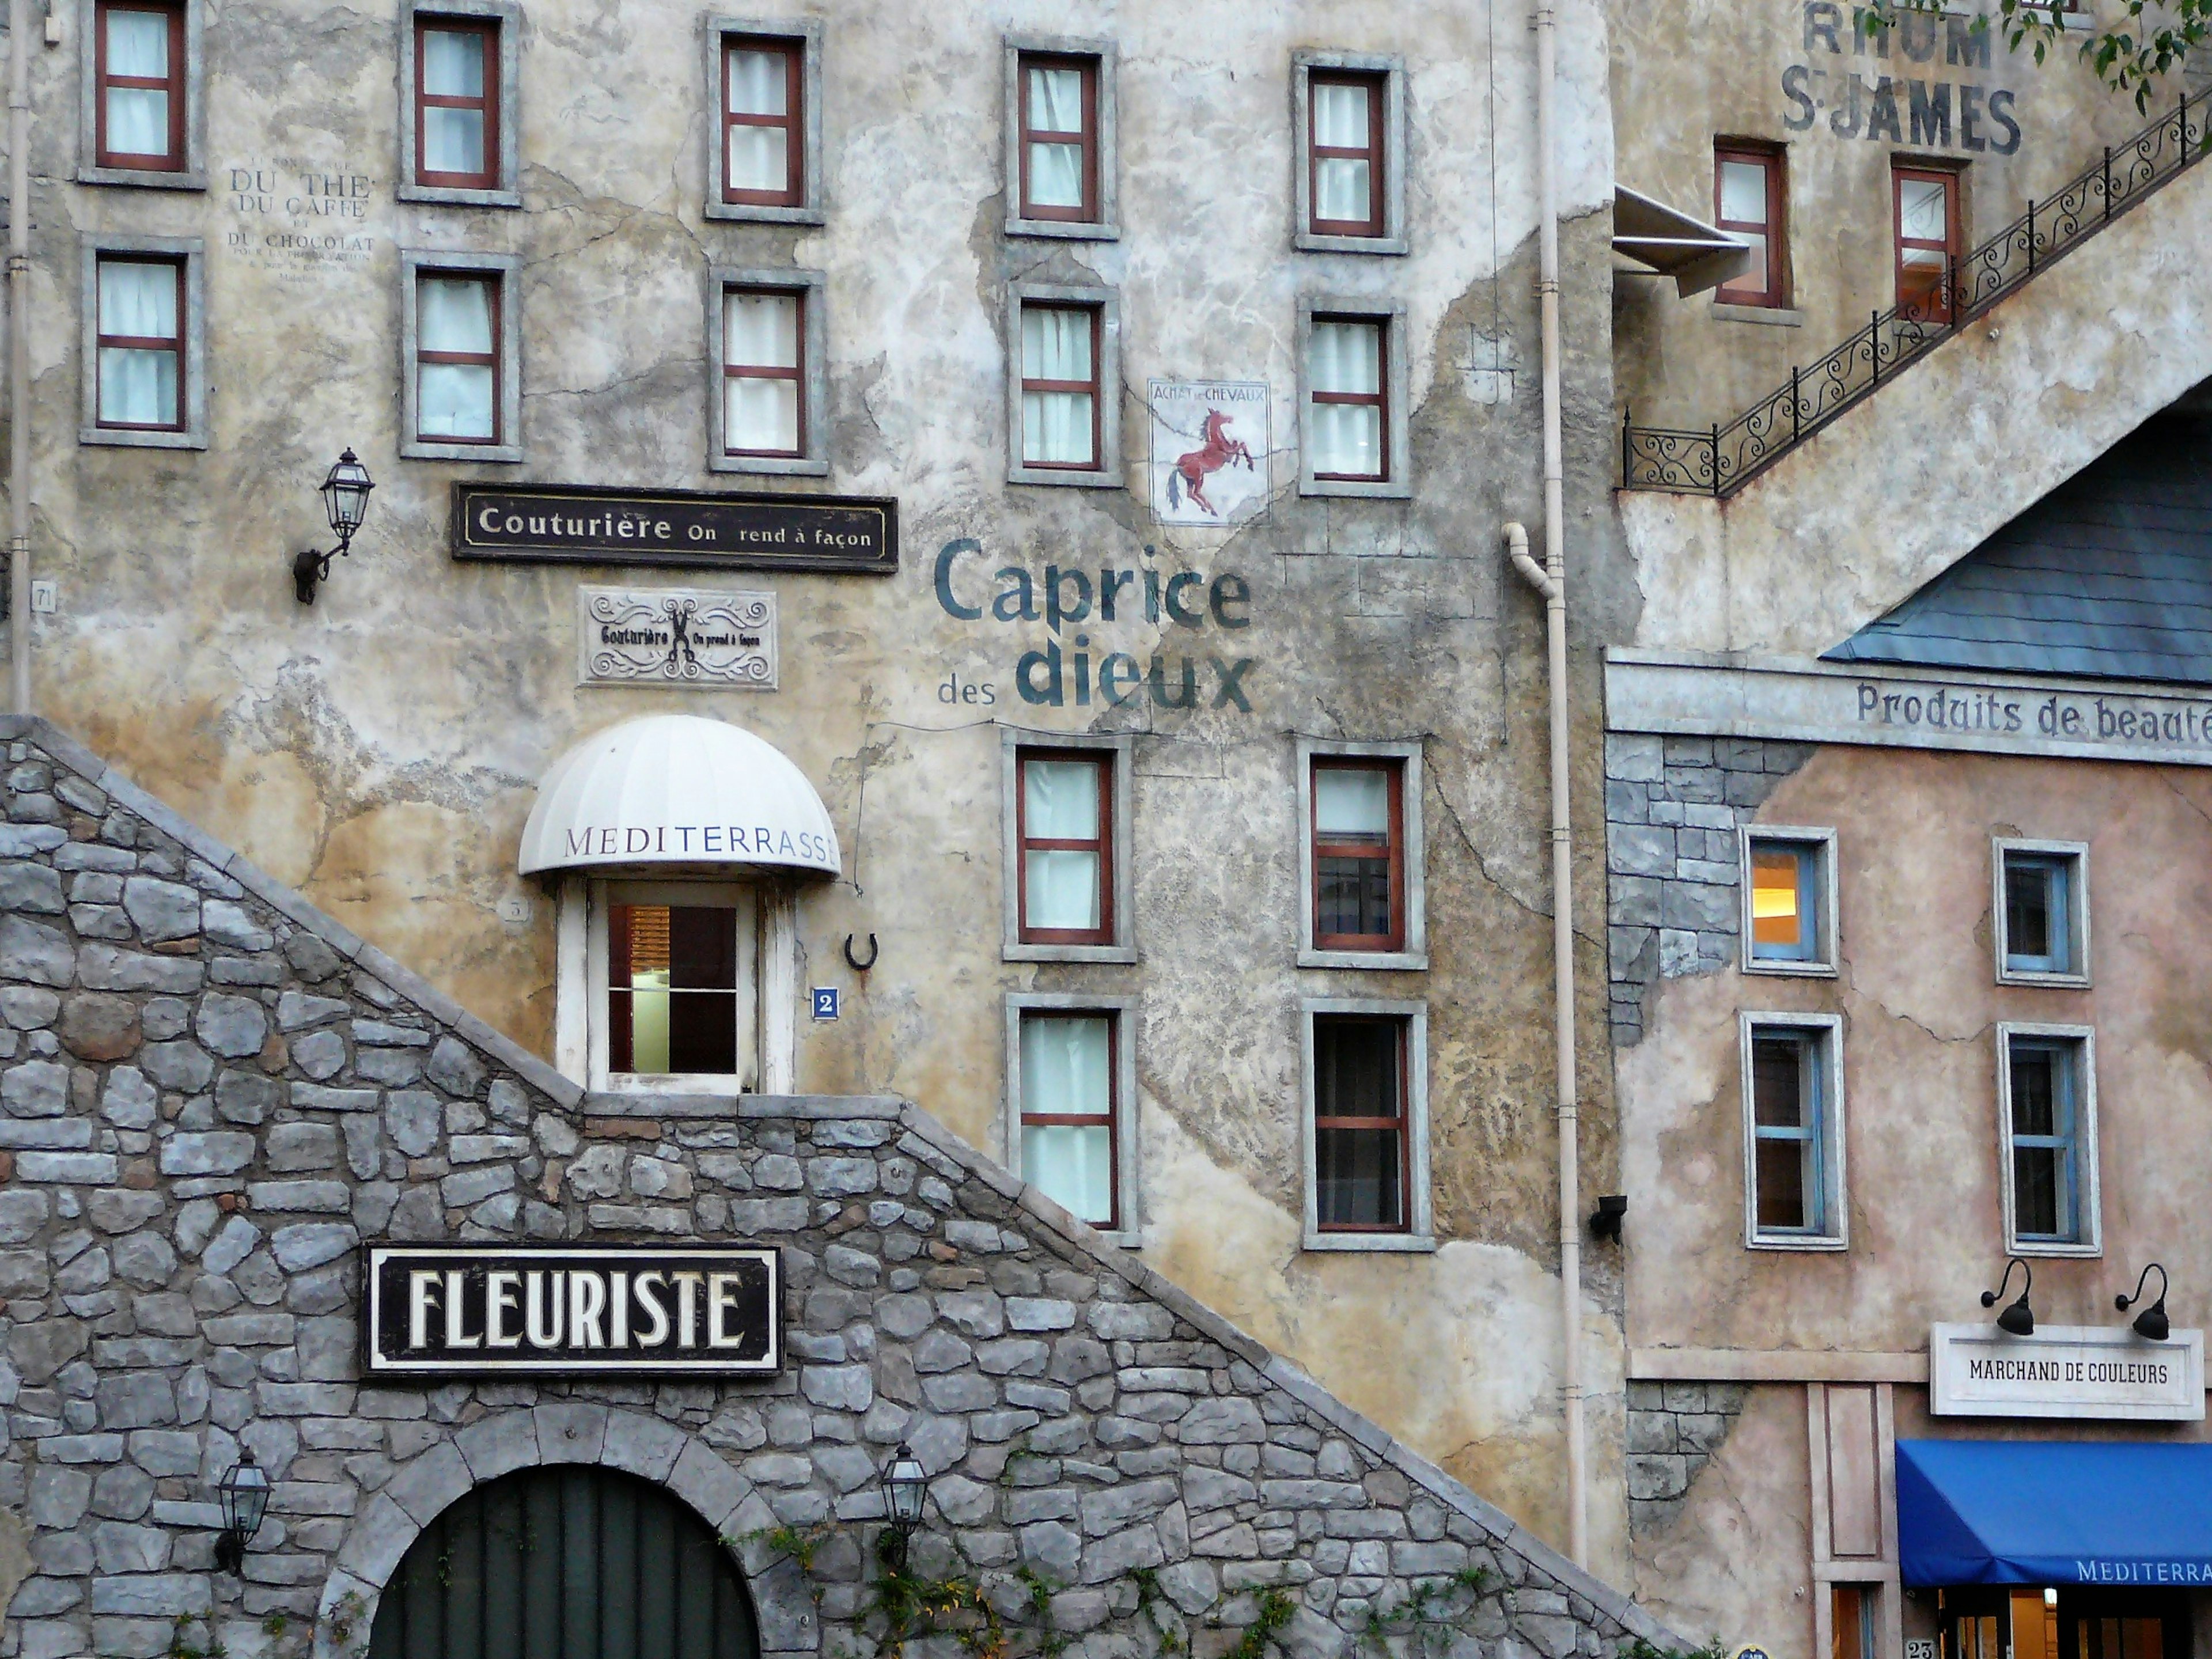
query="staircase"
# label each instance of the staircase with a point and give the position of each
(1723, 460)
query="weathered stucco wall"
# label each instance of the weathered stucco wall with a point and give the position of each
(380, 750)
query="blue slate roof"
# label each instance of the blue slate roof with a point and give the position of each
(2108, 577)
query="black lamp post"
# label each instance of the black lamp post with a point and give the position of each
(905, 1483)
(2151, 1323)
(244, 1493)
(2018, 1319)
(345, 501)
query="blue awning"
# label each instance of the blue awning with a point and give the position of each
(2054, 1512)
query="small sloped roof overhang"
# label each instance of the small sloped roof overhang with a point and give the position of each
(1695, 254)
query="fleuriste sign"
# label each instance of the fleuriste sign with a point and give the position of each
(571, 524)
(499, 1310)
(2066, 1371)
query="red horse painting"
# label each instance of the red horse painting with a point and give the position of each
(1191, 472)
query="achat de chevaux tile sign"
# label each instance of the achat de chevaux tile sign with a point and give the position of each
(497, 1309)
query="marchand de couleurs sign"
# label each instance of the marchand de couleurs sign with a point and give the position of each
(461, 1310)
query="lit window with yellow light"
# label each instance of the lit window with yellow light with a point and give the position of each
(1785, 902)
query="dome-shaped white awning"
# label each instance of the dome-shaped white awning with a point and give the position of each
(678, 789)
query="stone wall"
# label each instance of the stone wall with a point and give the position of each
(211, 1094)
(1675, 904)
(1674, 1429)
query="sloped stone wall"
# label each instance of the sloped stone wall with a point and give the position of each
(209, 1094)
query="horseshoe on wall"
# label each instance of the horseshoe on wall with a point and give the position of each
(857, 965)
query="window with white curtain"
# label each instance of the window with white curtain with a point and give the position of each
(1346, 128)
(762, 151)
(1059, 137)
(763, 379)
(141, 343)
(1347, 410)
(1063, 809)
(1059, 387)
(456, 102)
(140, 98)
(457, 357)
(1069, 1111)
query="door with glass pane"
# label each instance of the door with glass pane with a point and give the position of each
(679, 968)
(1927, 221)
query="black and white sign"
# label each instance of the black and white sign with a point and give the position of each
(679, 637)
(2066, 1371)
(497, 1309)
(571, 524)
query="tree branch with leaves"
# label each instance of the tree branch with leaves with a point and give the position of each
(2152, 39)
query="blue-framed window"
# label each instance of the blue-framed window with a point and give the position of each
(1785, 900)
(2039, 911)
(1791, 1093)
(2044, 1085)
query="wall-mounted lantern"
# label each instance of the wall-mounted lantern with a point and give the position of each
(345, 501)
(2018, 1319)
(2151, 1323)
(244, 1494)
(905, 1483)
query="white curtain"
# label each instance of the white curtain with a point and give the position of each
(1346, 438)
(1057, 105)
(138, 117)
(452, 67)
(454, 400)
(1066, 1070)
(760, 156)
(1342, 185)
(1056, 425)
(1351, 805)
(137, 384)
(1059, 802)
(761, 330)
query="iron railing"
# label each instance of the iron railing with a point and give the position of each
(1721, 460)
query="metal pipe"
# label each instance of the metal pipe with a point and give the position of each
(19, 355)
(1553, 586)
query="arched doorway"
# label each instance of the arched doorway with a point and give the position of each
(571, 1562)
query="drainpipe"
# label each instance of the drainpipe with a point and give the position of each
(19, 355)
(1549, 578)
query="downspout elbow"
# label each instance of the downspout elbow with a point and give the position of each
(1516, 547)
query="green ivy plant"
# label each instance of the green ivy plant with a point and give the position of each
(2152, 39)
(1432, 1612)
(182, 1647)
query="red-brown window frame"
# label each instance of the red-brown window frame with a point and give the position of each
(1396, 770)
(1379, 399)
(174, 345)
(1952, 179)
(494, 280)
(1102, 845)
(1402, 1123)
(488, 29)
(173, 83)
(793, 121)
(1769, 159)
(1096, 314)
(796, 373)
(1378, 84)
(1112, 1119)
(1088, 213)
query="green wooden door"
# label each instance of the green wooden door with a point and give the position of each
(566, 1563)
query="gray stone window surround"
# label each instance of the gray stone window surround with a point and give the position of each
(2089, 1192)
(1392, 68)
(508, 192)
(1397, 436)
(1107, 226)
(192, 251)
(812, 288)
(1823, 841)
(807, 32)
(1420, 1236)
(1407, 754)
(2076, 853)
(194, 174)
(1836, 1197)
(1124, 1010)
(1121, 746)
(1107, 368)
(416, 263)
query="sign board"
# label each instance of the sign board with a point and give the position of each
(506, 1309)
(2085, 1371)
(677, 636)
(825, 1001)
(1209, 450)
(568, 524)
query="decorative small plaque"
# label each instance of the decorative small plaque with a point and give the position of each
(681, 636)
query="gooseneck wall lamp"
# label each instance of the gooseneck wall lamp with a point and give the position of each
(2018, 1319)
(345, 501)
(2151, 1323)
(244, 1493)
(905, 1483)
